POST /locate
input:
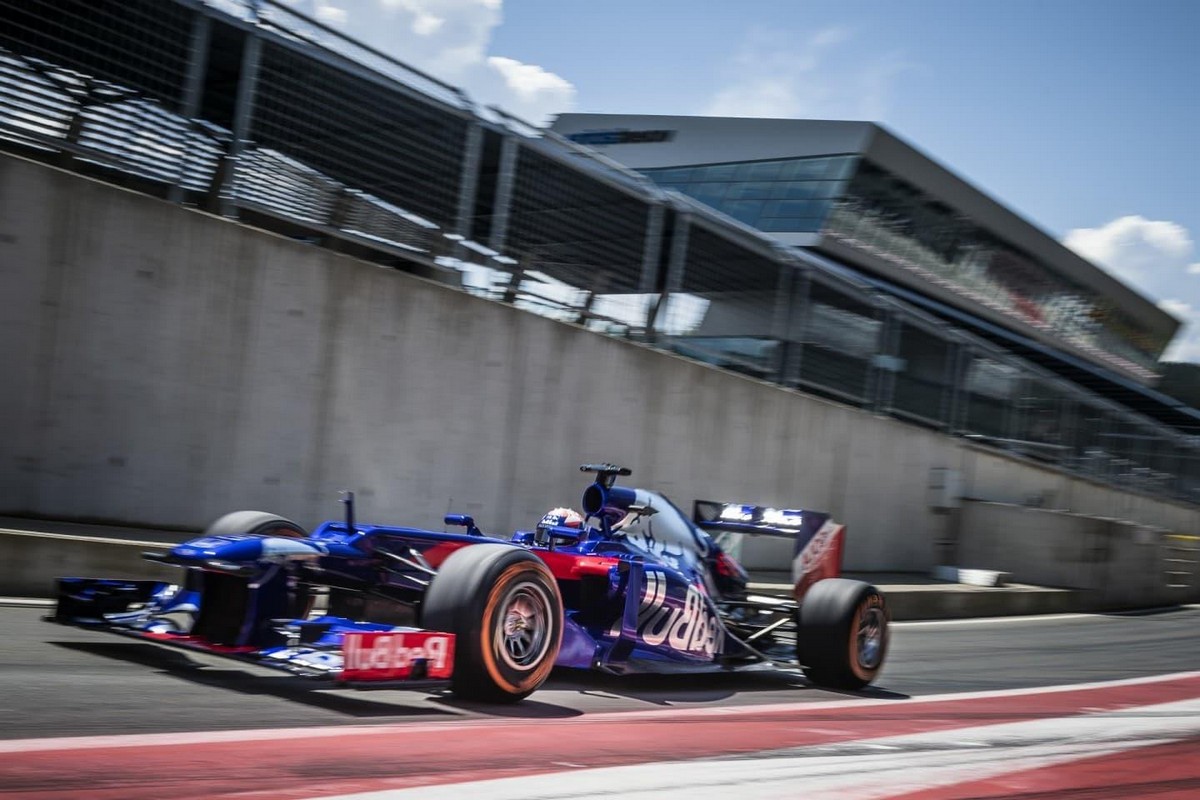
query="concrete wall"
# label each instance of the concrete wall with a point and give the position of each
(1119, 564)
(989, 475)
(164, 366)
(33, 562)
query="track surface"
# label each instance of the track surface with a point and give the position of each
(61, 681)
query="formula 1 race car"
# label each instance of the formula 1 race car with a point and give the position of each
(631, 584)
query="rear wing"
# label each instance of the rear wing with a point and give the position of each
(740, 518)
(819, 541)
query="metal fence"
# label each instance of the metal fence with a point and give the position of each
(257, 112)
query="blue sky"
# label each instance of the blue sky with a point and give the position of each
(1081, 116)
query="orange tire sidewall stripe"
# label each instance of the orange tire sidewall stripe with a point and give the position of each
(537, 676)
(871, 601)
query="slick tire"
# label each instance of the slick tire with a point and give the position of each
(505, 611)
(301, 597)
(842, 639)
(257, 523)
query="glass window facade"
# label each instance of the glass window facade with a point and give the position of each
(782, 196)
(890, 219)
(872, 210)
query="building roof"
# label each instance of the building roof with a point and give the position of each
(710, 140)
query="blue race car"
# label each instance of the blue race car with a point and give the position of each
(632, 584)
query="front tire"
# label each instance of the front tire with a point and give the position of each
(301, 596)
(504, 608)
(255, 523)
(843, 634)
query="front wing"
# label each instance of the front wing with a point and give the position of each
(347, 652)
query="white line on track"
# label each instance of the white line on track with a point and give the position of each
(1036, 618)
(31, 602)
(206, 737)
(881, 767)
(865, 702)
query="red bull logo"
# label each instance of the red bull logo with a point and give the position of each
(381, 656)
(821, 558)
(689, 627)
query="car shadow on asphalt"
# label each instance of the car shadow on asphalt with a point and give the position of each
(653, 689)
(526, 709)
(702, 687)
(667, 689)
(309, 692)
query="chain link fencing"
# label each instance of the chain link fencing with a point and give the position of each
(260, 113)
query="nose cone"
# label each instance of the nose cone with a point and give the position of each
(234, 549)
(246, 549)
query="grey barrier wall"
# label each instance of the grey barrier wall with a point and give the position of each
(251, 109)
(33, 561)
(165, 366)
(1119, 564)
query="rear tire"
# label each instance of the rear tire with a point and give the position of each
(843, 636)
(503, 606)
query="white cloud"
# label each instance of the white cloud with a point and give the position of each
(1186, 345)
(450, 39)
(331, 14)
(1157, 258)
(1177, 307)
(446, 38)
(774, 76)
(419, 13)
(1153, 256)
(427, 24)
(532, 85)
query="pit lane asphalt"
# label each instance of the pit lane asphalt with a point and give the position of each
(63, 681)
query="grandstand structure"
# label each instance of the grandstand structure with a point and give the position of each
(863, 197)
(830, 258)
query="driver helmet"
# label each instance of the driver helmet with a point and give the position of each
(559, 518)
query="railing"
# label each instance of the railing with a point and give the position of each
(366, 153)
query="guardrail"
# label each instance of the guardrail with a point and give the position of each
(33, 561)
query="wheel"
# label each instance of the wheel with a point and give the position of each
(301, 597)
(843, 633)
(257, 523)
(505, 611)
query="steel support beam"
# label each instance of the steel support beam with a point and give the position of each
(468, 181)
(506, 174)
(242, 116)
(193, 91)
(676, 264)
